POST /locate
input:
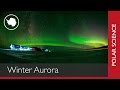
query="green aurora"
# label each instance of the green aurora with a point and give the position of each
(56, 28)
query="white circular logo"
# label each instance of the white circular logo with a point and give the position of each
(11, 22)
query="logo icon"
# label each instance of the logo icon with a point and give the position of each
(11, 22)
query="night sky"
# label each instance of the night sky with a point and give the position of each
(56, 28)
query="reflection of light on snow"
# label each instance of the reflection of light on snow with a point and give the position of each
(27, 49)
(47, 50)
(24, 48)
(20, 48)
